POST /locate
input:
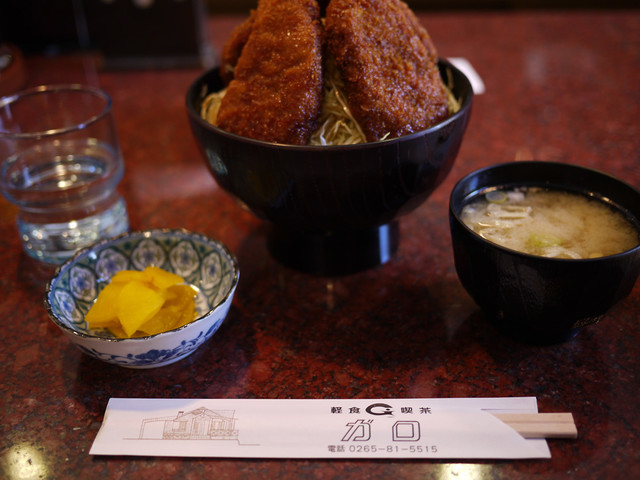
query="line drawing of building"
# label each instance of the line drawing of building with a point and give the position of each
(198, 424)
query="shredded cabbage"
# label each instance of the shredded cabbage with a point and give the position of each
(211, 105)
(337, 125)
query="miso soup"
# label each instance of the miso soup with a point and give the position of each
(550, 223)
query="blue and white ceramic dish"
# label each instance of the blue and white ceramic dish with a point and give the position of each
(204, 263)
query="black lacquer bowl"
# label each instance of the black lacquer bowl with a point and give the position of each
(333, 209)
(534, 299)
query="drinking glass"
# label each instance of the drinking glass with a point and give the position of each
(61, 164)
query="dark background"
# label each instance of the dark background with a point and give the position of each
(244, 5)
(170, 27)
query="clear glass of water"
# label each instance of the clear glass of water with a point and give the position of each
(61, 165)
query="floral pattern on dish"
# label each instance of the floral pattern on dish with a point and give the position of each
(184, 258)
(203, 262)
(109, 263)
(82, 283)
(146, 253)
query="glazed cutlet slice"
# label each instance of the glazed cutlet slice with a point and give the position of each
(232, 49)
(388, 65)
(276, 92)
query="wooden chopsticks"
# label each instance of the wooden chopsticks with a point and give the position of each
(541, 425)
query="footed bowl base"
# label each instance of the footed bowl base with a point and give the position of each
(334, 253)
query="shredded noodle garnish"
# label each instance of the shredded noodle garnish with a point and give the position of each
(454, 103)
(337, 125)
(211, 105)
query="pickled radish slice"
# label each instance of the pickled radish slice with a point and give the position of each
(139, 303)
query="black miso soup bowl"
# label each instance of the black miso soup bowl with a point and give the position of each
(530, 298)
(333, 209)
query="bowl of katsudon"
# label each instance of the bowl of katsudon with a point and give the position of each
(330, 121)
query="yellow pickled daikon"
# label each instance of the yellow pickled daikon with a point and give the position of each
(139, 303)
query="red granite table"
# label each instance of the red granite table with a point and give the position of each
(561, 86)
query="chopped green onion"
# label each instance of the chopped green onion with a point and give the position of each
(544, 240)
(496, 196)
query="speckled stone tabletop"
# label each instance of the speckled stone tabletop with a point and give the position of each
(560, 86)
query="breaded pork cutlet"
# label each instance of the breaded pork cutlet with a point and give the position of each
(276, 92)
(388, 65)
(232, 49)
